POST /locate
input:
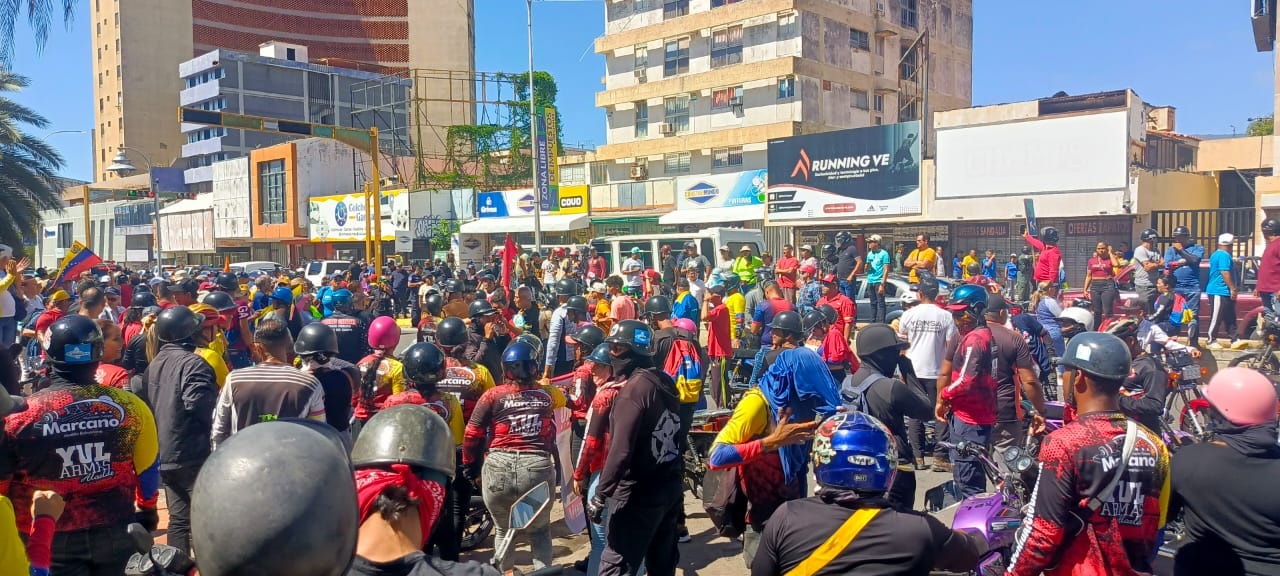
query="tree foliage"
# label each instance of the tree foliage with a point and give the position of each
(28, 166)
(1264, 126)
(442, 235)
(39, 17)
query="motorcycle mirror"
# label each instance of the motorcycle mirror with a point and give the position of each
(142, 539)
(530, 506)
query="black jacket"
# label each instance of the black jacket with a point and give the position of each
(1145, 391)
(134, 358)
(182, 393)
(419, 564)
(486, 351)
(644, 447)
(890, 400)
(353, 336)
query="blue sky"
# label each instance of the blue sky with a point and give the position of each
(1197, 56)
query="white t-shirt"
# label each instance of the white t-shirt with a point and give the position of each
(549, 269)
(633, 280)
(698, 289)
(1140, 276)
(927, 328)
(7, 306)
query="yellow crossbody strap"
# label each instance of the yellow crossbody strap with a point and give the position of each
(835, 544)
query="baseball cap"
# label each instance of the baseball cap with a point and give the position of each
(809, 269)
(112, 291)
(598, 288)
(808, 247)
(1226, 238)
(156, 280)
(6, 251)
(59, 296)
(745, 248)
(874, 238)
(636, 250)
(829, 278)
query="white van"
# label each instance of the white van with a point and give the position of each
(261, 267)
(318, 270)
(615, 249)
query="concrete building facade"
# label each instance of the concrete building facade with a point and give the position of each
(700, 86)
(278, 82)
(138, 45)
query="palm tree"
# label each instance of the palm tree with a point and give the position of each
(28, 166)
(39, 16)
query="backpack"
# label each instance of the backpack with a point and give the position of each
(684, 366)
(855, 397)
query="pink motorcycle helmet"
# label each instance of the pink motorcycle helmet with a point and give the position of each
(1244, 397)
(384, 333)
(686, 324)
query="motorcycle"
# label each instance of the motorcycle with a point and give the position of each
(1185, 376)
(702, 434)
(478, 525)
(1264, 360)
(996, 515)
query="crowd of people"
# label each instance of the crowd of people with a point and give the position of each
(119, 384)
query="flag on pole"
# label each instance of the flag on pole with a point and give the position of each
(78, 259)
(508, 263)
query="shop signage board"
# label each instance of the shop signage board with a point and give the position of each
(341, 218)
(722, 190)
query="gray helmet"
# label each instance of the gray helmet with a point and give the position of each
(406, 434)
(302, 506)
(1049, 234)
(787, 321)
(928, 285)
(1098, 353)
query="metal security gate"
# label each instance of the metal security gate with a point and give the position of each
(1206, 225)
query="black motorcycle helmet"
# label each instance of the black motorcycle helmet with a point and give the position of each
(316, 338)
(1049, 234)
(928, 285)
(434, 303)
(300, 518)
(227, 281)
(657, 305)
(73, 341)
(177, 324)
(1271, 227)
(531, 340)
(633, 334)
(1179, 231)
(577, 304)
(589, 337)
(843, 238)
(828, 251)
(406, 434)
(1148, 235)
(812, 319)
(567, 287)
(787, 321)
(451, 332)
(424, 363)
(222, 301)
(829, 312)
(479, 308)
(1099, 354)
(520, 362)
(143, 300)
(453, 286)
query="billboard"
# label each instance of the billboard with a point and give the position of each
(341, 218)
(1086, 153)
(722, 190)
(859, 172)
(548, 171)
(575, 199)
(506, 203)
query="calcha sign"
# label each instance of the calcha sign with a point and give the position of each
(848, 173)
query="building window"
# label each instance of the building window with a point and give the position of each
(907, 66)
(909, 112)
(642, 58)
(859, 40)
(719, 3)
(726, 157)
(786, 88)
(204, 77)
(290, 54)
(214, 104)
(204, 134)
(675, 59)
(876, 121)
(726, 46)
(723, 98)
(877, 102)
(675, 111)
(271, 191)
(642, 119)
(66, 234)
(676, 163)
(858, 99)
(674, 9)
(908, 19)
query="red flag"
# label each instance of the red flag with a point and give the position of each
(508, 263)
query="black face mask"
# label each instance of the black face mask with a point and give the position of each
(884, 361)
(627, 363)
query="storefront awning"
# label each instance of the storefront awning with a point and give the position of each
(550, 223)
(714, 215)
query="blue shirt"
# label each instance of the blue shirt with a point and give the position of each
(1219, 262)
(1011, 270)
(810, 293)
(1186, 277)
(764, 313)
(989, 267)
(955, 268)
(877, 263)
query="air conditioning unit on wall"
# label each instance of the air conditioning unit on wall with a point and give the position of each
(639, 171)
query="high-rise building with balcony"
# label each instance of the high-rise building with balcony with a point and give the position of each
(139, 44)
(701, 86)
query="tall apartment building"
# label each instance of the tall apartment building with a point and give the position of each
(139, 45)
(700, 86)
(279, 82)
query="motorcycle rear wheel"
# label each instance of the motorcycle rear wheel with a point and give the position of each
(478, 526)
(1266, 364)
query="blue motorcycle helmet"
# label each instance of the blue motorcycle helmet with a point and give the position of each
(339, 299)
(520, 362)
(854, 451)
(282, 294)
(600, 355)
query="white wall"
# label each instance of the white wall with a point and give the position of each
(106, 243)
(324, 168)
(231, 199)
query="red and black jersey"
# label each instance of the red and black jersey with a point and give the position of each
(972, 391)
(514, 418)
(1060, 536)
(595, 443)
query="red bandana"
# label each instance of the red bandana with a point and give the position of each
(370, 482)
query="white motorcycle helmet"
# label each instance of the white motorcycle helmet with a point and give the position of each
(1079, 316)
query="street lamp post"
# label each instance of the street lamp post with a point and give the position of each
(533, 141)
(119, 165)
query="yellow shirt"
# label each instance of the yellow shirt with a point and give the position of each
(13, 554)
(927, 257)
(737, 306)
(214, 359)
(964, 265)
(457, 426)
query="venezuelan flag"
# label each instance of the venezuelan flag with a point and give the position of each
(78, 259)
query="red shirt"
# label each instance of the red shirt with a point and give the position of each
(596, 269)
(972, 392)
(1101, 269)
(787, 279)
(1269, 268)
(595, 443)
(112, 375)
(130, 330)
(1048, 263)
(719, 341)
(126, 294)
(47, 318)
(846, 311)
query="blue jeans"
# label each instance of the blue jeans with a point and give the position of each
(756, 363)
(967, 472)
(9, 331)
(849, 289)
(1192, 304)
